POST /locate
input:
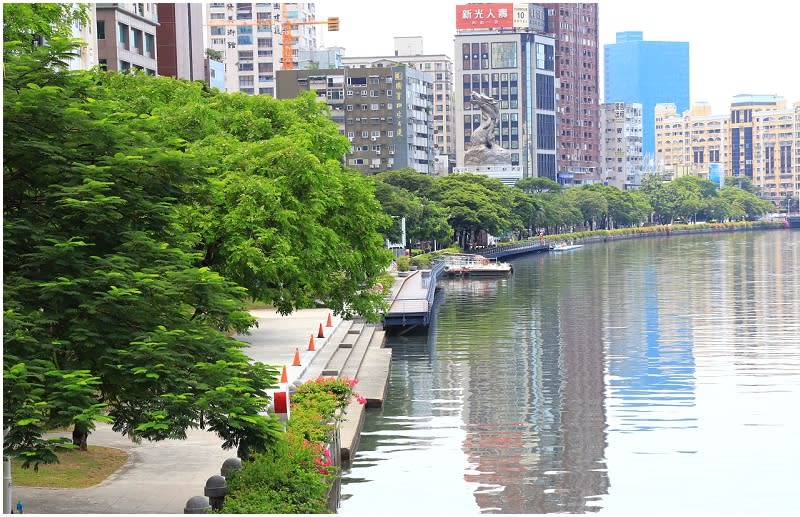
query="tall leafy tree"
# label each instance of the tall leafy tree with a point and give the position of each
(106, 316)
(278, 214)
(473, 202)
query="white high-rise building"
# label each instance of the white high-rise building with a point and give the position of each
(621, 143)
(250, 37)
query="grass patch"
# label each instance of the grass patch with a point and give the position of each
(77, 469)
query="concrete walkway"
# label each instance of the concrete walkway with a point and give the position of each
(160, 477)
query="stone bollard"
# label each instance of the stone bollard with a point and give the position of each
(197, 504)
(230, 465)
(216, 490)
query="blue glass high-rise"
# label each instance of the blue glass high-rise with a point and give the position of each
(649, 72)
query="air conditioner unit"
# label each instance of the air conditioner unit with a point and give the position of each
(391, 152)
(374, 138)
(377, 152)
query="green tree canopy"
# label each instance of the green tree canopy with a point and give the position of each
(139, 215)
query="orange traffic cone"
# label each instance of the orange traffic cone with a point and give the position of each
(284, 379)
(330, 323)
(296, 361)
(320, 333)
(311, 343)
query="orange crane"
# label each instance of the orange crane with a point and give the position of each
(287, 26)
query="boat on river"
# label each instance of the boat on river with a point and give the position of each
(470, 265)
(563, 246)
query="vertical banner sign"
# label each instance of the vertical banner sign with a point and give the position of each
(521, 20)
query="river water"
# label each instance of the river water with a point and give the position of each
(656, 375)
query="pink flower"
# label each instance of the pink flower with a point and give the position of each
(361, 399)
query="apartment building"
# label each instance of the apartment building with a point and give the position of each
(759, 139)
(250, 37)
(765, 144)
(621, 143)
(126, 36)
(501, 50)
(577, 67)
(689, 143)
(409, 51)
(385, 111)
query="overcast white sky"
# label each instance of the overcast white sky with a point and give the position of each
(734, 47)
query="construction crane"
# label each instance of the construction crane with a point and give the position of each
(287, 26)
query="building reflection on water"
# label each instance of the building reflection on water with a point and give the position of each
(570, 385)
(533, 412)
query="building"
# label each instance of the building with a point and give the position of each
(765, 144)
(575, 29)
(501, 50)
(621, 143)
(314, 59)
(647, 72)
(86, 57)
(759, 139)
(214, 74)
(180, 43)
(250, 37)
(385, 111)
(691, 142)
(408, 51)
(126, 36)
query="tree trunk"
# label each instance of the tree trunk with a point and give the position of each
(80, 435)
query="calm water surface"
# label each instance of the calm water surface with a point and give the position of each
(643, 376)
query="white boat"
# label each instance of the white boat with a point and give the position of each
(465, 264)
(563, 246)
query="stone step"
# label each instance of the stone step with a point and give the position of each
(373, 379)
(339, 360)
(326, 351)
(350, 432)
(356, 359)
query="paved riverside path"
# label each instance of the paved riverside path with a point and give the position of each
(160, 477)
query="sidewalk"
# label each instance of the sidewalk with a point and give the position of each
(160, 477)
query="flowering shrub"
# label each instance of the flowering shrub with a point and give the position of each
(295, 475)
(315, 393)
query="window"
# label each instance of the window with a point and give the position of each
(122, 31)
(103, 64)
(101, 29)
(245, 80)
(545, 92)
(149, 45)
(137, 39)
(124, 66)
(504, 55)
(217, 31)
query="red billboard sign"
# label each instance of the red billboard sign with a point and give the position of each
(484, 16)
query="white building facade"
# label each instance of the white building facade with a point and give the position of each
(621, 143)
(250, 36)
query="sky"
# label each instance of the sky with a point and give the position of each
(734, 47)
